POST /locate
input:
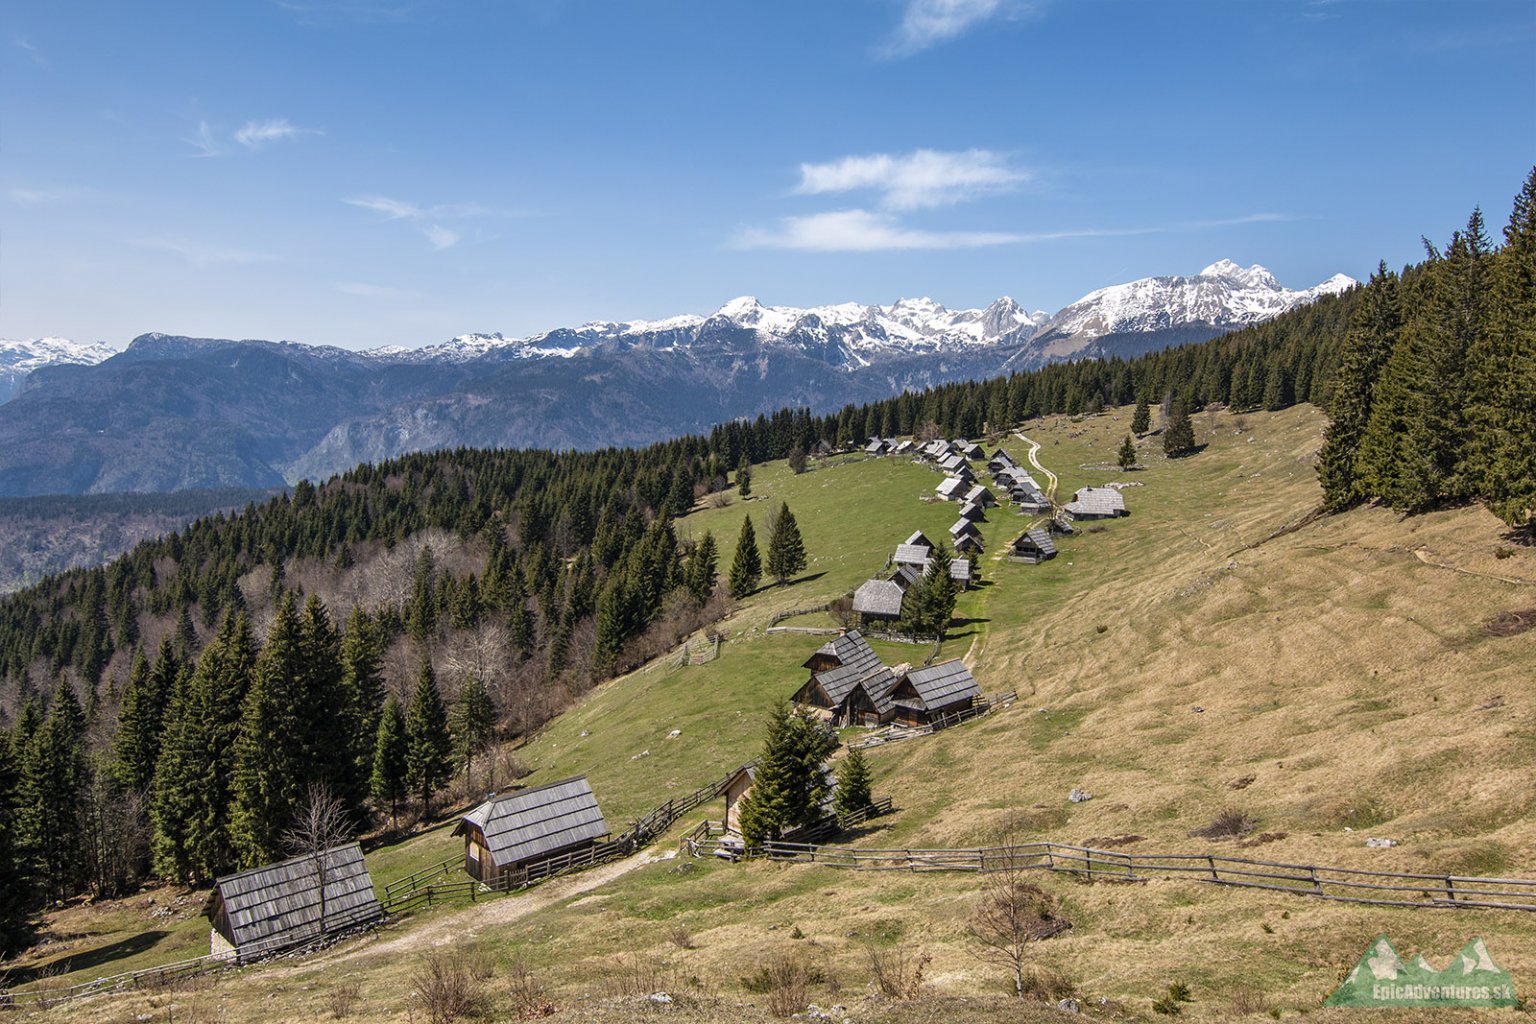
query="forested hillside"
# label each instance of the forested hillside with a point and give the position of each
(170, 712)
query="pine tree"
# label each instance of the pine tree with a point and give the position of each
(178, 773)
(854, 784)
(391, 758)
(703, 565)
(362, 685)
(1179, 437)
(270, 752)
(789, 785)
(428, 743)
(473, 723)
(935, 595)
(1372, 335)
(140, 722)
(1141, 419)
(786, 551)
(1502, 374)
(53, 785)
(15, 880)
(1127, 457)
(747, 565)
(744, 478)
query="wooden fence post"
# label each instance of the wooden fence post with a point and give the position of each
(1212, 862)
(1450, 889)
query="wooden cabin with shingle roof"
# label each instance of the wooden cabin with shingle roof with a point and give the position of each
(1032, 547)
(876, 446)
(923, 694)
(877, 601)
(974, 512)
(848, 648)
(952, 487)
(260, 911)
(507, 832)
(968, 542)
(964, 527)
(973, 451)
(1096, 503)
(981, 496)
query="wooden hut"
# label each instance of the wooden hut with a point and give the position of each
(1033, 547)
(876, 446)
(951, 487)
(981, 496)
(848, 648)
(508, 832)
(1096, 503)
(877, 601)
(969, 542)
(974, 512)
(263, 910)
(923, 694)
(964, 528)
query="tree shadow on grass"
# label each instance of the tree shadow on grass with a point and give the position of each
(85, 960)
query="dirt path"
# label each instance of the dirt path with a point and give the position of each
(1422, 555)
(493, 911)
(1034, 448)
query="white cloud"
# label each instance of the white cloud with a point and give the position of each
(862, 231)
(34, 196)
(441, 237)
(24, 44)
(927, 23)
(394, 209)
(201, 254)
(203, 141)
(426, 219)
(258, 133)
(922, 178)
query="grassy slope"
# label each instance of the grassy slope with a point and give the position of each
(1332, 665)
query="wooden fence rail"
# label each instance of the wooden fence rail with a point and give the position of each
(1351, 885)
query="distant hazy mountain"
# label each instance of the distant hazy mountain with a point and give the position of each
(172, 412)
(19, 358)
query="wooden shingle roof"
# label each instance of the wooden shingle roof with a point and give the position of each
(850, 649)
(944, 684)
(1098, 501)
(951, 486)
(911, 554)
(1038, 539)
(281, 902)
(878, 597)
(971, 510)
(919, 537)
(531, 823)
(964, 526)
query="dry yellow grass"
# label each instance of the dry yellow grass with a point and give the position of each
(1346, 688)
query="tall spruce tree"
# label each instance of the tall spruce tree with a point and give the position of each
(181, 769)
(747, 565)
(786, 550)
(391, 752)
(473, 723)
(1502, 374)
(362, 686)
(1141, 419)
(703, 565)
(15, 880)
(854, 784)
(140, 722)
(428, 746)
(53, 787)
(1127, 454)
(271, 753)
(789, 787)
(1372, 335)
(1179, 435)
(744, 477)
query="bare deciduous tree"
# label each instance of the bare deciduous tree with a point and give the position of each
(321, 824)
(1013, 914)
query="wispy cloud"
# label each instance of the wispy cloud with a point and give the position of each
(427, 219)
(36, 196)
(862, 231)
(202, 254)
(24, 44)
(364, 290)
(922, 178)
(367, 11)
(927, 23)
(203, 141)
(256, 134)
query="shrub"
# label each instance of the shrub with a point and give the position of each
(1046, 985)
(343, 999)
(680, 936)
(786, 983)
(446, 988)
(1229, 824)
(899, 971)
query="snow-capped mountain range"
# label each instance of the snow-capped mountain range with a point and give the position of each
(1223, 296)
(20, 358)
(174, 412)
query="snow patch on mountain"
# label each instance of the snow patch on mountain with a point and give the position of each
(18, 358)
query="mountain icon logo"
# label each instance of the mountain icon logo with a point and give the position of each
(1383, 978)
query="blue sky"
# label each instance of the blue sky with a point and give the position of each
(371, 172)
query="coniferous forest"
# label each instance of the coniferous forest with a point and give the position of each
(170, 713)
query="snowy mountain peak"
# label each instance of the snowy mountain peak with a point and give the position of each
(18, 358)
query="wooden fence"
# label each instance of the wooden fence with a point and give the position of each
(896, 734)
(710, 837)
(168, 975)
(1351, 885)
